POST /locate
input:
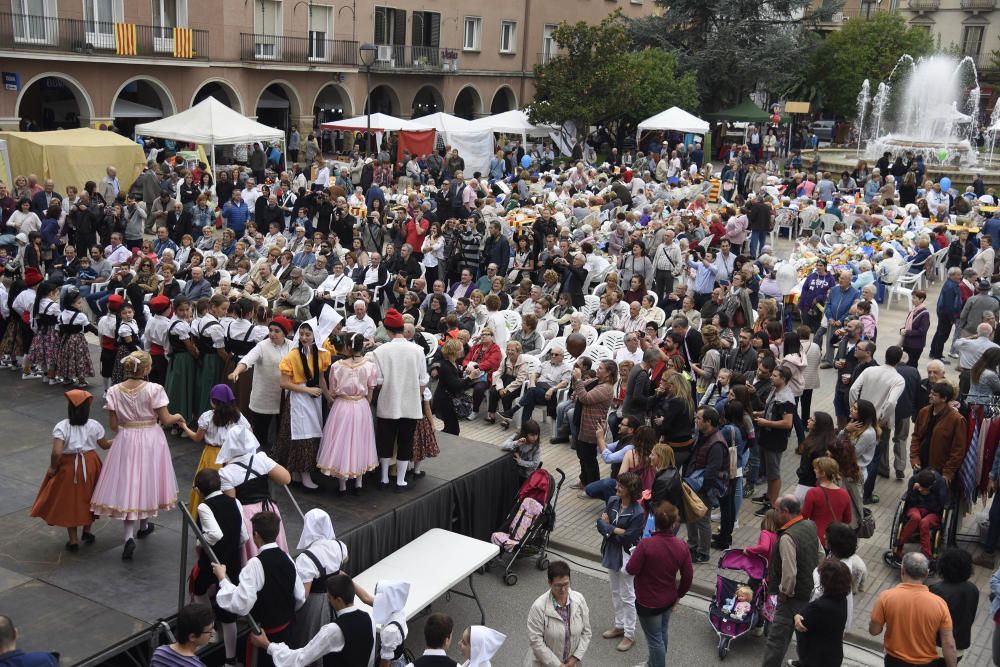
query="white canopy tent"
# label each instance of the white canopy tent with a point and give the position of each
(380, 122)
(675, 119)
(474, 144)
(445, 123)
(211, 123)
(512, 122)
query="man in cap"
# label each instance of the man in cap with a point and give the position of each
(297, 293)
(976, 307)
(154, 338)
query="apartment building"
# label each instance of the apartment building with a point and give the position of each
(69, 63)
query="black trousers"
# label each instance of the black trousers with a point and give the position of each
(495, 398)
(913, 355)
(158, 373)
(586, 454)
(261, 426)
(941, 335)
(395, 434)
(478, 393)
(727, 508)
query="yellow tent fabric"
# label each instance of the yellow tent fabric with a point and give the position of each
(73, 157)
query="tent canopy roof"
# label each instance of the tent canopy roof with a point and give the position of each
(83, 137)
(746, 111)
(380, 122)
(210, 122)
(510, 122)
(675, 119)
(446, 122)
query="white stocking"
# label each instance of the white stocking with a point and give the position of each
(342, 482)
(384, 465)
(400, 473)
(129, 526)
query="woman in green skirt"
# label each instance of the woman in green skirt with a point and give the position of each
(179, 383)
(211, 342)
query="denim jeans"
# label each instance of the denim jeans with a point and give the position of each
(758, 239)
(602, 488)
(655, 629)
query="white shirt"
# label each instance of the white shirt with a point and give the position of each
(216, 333)
(323, 177)
(210, 527)
(971, 349)
(337, 286)
(241, 599)
(329, 639)
(881, 385)
(331, 555)
(433, 651)
(623, 354)
(364, 326)
(156, 332)
(404, 362)
(78, 439)
(250, 197)
(117, 255)
(233, 475)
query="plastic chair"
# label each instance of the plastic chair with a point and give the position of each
(597, 353)
(432, 344)
(613, 340)
(903, 287)
(512, 320)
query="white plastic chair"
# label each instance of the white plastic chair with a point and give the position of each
(590, 333)
(512, 320)
(560, 342)
(598, 353)
(432, 344)
(658, 317)
(613, 340)
(903, 287)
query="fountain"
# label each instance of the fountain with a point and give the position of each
(929, 106)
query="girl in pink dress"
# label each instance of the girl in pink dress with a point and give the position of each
(138, 479)
(347, 448)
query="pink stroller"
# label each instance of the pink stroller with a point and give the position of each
(526, 530)
(737, 569)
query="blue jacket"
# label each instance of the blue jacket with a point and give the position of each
(19, 658)
(949, 303)
(839, 302)
(236, 217)
(934, 502)
(631, 519)
(992, 227)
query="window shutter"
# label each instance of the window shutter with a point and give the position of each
(435, 30)
(379, 25)
(399, 28)
(418, 29)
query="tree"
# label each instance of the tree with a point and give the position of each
(864, 48)
(735, 47)
(597, 78)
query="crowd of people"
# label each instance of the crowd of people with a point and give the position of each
(319, 323)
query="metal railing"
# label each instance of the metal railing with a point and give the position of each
(979, 5)
(25, 32)
(400, 57)
(924, 5)
(545, 56)
(298, 50)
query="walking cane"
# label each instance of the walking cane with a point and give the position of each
(254, 627)
(294, 502)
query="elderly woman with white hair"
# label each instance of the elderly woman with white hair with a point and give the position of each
(866, 275)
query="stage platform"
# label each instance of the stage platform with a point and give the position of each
(91, 606)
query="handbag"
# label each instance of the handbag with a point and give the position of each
(462, 405)
(866, 520)
(694, 507)
(734, 458)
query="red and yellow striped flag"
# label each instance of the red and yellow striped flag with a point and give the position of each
(125, 41)
(183, 43)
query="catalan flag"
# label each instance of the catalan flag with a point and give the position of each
(183, 43)
(125, 42)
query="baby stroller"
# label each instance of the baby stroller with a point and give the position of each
(526, 530)
(737, 569)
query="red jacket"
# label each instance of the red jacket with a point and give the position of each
(487, 359)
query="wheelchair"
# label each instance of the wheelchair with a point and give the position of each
(941, 537)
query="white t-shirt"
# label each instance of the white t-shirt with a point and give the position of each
(78, 439)
(215, 435)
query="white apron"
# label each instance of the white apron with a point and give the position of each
(306, 415)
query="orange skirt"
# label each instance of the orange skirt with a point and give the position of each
(64, 499)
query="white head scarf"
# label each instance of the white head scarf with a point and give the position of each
(239, 441)
(390, 597)
(483, 645)
(316, 526)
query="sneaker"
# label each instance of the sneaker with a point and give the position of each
(953, 355)
(874, 500)
(31, 375)
(761, 511)
(899, 475)
(625, 644)
(716, 517)
(472, 416)
(762, 500)
(613, 633)
(825, 365)
(699, 559)
(891, 559)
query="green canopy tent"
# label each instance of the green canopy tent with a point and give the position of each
(744, 112)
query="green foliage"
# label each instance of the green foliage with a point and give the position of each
(735, 47)
(865, 48)
(597, 78)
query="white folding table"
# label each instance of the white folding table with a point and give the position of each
(433, 564)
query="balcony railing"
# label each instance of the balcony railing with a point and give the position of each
(430, 59)
(979, 5)
(921, 6)
(24, 32)
(545, 56)
(298, 50)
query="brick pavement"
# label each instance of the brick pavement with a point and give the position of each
(575, 532)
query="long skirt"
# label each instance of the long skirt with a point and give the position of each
(44, 350)
(209, 454)
(347, 449)
(74, 360)
(209, 374)
(311, 616)
(180, 385)
(138, 479)
(64, 499)
(295, 455)
(425, 444)
(117, 369)
(249, 549)
(16, 338)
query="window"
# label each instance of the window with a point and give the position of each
(508, 31)
(100, 17)
(548, 43)
(390, 26)
(319, 30)
(972, 40)
(266, 28)
(473, 29)
(426, 29)
(32, 23)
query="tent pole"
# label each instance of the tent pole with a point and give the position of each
(215, 174)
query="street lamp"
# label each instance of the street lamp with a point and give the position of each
(368, 53)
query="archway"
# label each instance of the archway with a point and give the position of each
(332, 103)
(277, 104)
(383, 99)
(140, 100)
(52, 101)
(468, 104)
(221, 91)
(427, 101)
(503, 100)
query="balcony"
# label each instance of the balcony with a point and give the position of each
(298, 50)
(924, 6)
(976, 6)
(23, 32)
(427, 59)
(545, 56)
